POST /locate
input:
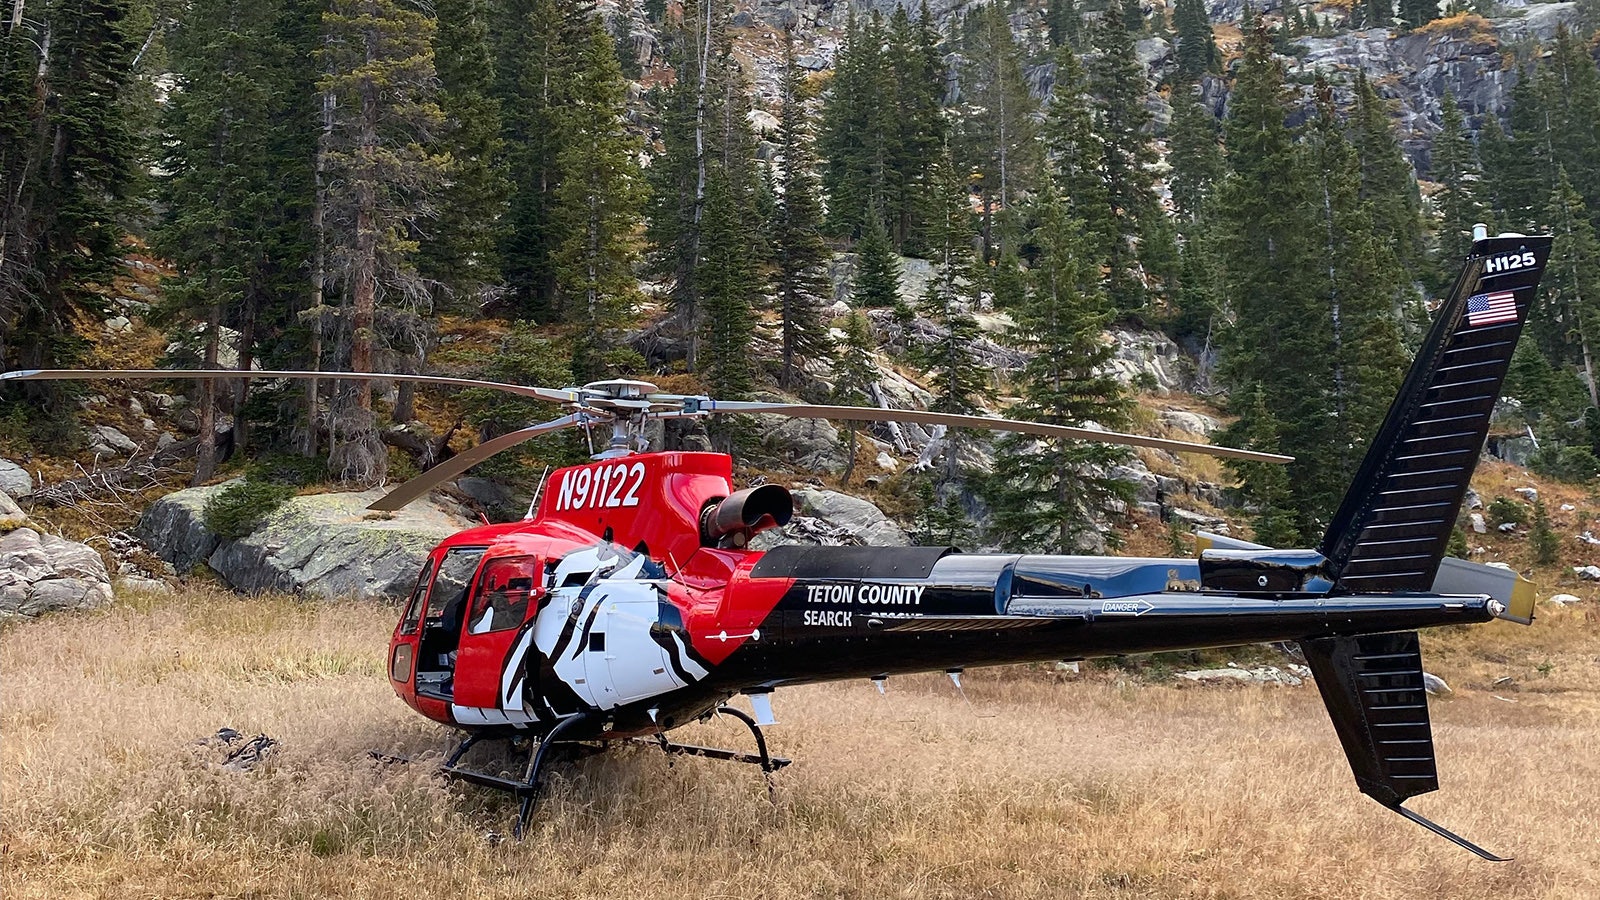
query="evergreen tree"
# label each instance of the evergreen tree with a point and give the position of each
(1415, 13)
(1264, 243)
(856, 123)
(461, 250)
(1542, 539)
(1197, 51)
(1570, 290)
(917, 129)
(231, 187)
(1381, 12)
(854, 374)
(379, 62)
(598, 204)
(1075, 153)
(1360, 282)
(1195, 157)
(1570, 92)
(1063, 24)
(798, 250)
(67, 160)
(957, 377)
(1267, 487)
(539, 42)
(996, 135)
(877, 275)
(1050, 495)
(622, 35)
(729, 285)
(1387, 183)
(1118, 83)
(1455, 167)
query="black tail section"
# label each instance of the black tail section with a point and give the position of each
(1373, 687)
(1392, 528)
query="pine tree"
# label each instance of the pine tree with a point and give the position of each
(1542, 539)
(1387, 183)
(996, 135)
(598, 204)
(1075, 153)
(729, 284)
(854, 374)
(1063, 24)
(957, 378)
(1360, 283)
(231, 188)
(798, 250)
(1267, 487)
(1381, 12)
(67, 160)
(1118, 83)
(1264, 243)
(1455, 167)
(1197, 51)
(877, 275)
(379, 61)
(1050, 495)
(1416, 13)
(1571, 286)
(1195, 157)
(538, 45)
(854, 140)
(461, 249)
(917, 129)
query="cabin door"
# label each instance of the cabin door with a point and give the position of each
(491, 662)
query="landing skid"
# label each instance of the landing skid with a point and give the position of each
(539, 752)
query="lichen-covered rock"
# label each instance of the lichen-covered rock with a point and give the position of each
(329, 545)
(174, 527)
(41, 573)
(326, 545)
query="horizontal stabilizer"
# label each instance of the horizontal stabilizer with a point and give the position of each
(1373, 687)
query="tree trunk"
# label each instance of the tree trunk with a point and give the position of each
(319, 265)
(364, 287)
(206, 460)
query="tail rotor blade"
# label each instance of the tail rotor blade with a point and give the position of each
(954, 420)
(463, 461)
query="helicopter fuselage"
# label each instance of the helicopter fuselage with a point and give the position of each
(613, 602)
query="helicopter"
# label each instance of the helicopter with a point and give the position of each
(629, 603)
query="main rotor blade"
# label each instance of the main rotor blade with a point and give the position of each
(551, 394)
(465, 460)
(954, 420)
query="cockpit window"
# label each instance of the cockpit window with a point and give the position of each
(408, 622)
(455, 575)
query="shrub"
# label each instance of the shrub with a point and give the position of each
(1543, 538)
(1578, 465)
(1504, 510)
(237, 509)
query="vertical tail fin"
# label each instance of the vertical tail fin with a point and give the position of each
(1394, 523)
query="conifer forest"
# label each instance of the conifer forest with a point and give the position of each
(728, 198)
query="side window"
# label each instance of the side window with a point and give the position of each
(450, 585)
(505, 589)
(413, 614)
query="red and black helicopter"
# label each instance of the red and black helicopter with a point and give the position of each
(627, 603)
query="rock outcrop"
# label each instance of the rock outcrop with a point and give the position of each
(326, 545)
(830, 518)
(14, 479)
(41, 573)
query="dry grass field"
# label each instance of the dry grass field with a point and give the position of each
(1103, 786)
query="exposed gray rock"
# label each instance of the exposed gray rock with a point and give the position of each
(11, 515)
(1294, 676)
(174, 527)
(1473, 501)
(139, 584)
(1563, 599)
(1435, 685)
(493, 496)
(1192, 422)
(1148, 359)
(1587, 573)
(832, 518)
(1507, 527)
(812, 445)
(41, 573)
(14, 479)
(1478, 525)
(329, 545)
(1527, 493)
(108, 441)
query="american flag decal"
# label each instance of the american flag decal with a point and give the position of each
(1491, 309)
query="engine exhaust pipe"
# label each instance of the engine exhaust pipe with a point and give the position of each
(735, 519)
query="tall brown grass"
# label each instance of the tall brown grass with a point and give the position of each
(1042, 787)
